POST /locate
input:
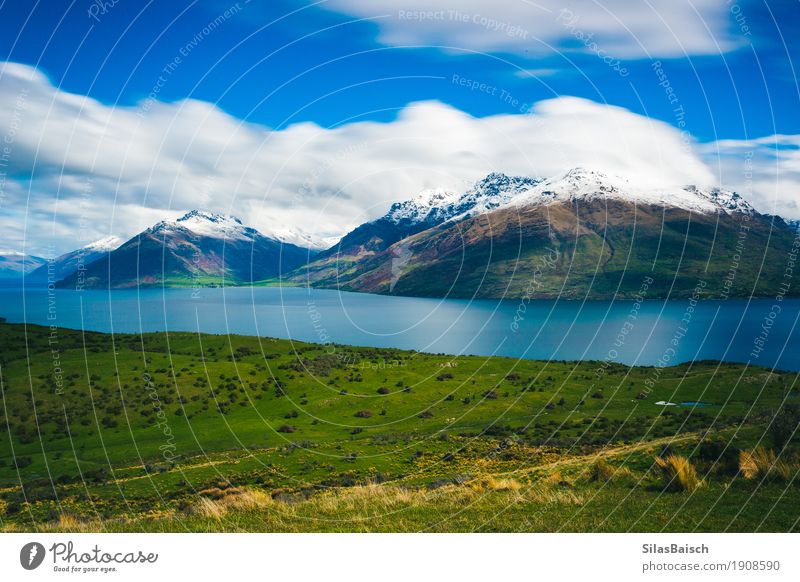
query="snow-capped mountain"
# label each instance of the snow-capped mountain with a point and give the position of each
(105, 244)
(439, 207)
(589, 185)
(601, 235)
(207, 224)
(69, 263)
(436, 206)
(303, 239)
(198, 249)
(14, 264)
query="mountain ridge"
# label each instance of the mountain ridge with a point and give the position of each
(199, 248)
(443, 244)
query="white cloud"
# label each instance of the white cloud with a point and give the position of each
(80, 170)
(535, 73)
(621, 28)
(765, 170)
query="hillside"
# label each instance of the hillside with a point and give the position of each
(159, 432)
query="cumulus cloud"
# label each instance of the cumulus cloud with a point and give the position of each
(619, 28)
(79, 170)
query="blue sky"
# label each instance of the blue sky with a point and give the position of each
(250, 69)
(339, 64)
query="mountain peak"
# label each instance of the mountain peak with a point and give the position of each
(196, 216)
(587, 184)
(438, 205)
(209, 224)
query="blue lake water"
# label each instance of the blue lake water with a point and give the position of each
(644, 333)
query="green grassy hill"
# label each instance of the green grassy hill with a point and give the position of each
(158, 431)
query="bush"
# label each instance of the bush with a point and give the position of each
(22, 462)
(784, 426)
(724, 455)
(383, 390)
(286, 428)
(363, 414)
(678, 474)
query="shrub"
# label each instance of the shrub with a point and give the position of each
(383, 390)
(678, 474)
(784, 426)
(286, 428)
(363, 414)
(724, 455)
(22, 462)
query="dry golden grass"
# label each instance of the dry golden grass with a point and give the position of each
(762, 463)
(234, 500)
(603, 472)
(678, 474)
(503, 484)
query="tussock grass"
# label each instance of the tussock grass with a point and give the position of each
(233, 500)
(603, 472)
(678, 474)
(503, 484)
(761, 463)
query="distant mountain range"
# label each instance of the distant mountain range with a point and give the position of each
(14, 264)
(65, 265)
(198, 249)
(580, 234)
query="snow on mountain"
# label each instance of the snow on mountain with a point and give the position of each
(208, 224)
(106, 244)
(421, 207)
(304, 240)
(437, 205)
(582, 184)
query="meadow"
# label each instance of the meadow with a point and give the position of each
(198, 432)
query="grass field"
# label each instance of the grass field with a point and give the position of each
(187, 432)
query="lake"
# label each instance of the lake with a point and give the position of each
(654, 332)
